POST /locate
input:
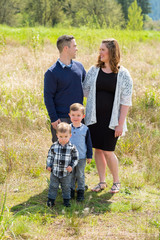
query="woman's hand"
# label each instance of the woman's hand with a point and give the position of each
(123, 113)
(118, 130)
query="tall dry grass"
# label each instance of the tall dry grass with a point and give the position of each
(24, 130)
(25, 139)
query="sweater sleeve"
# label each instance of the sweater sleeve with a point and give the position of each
(89, 144)
(126, 90)
(50, 86)
(87, 82)
(84, 74)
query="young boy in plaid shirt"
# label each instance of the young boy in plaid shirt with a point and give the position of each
(62, 158)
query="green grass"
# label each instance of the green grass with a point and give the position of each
(134, 210)
(85, 36)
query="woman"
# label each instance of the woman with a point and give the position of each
(108, 87)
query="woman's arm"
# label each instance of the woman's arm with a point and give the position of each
(123, 113)
(125, 102)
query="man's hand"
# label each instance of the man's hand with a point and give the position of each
(49, 169)
(69, 169)
(89, 160)
(54, 124)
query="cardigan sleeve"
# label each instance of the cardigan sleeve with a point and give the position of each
(87, 82)
(126, 89)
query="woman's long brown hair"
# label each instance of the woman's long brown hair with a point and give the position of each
(114, 55)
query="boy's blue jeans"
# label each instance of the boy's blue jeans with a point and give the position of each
(54, 186)
(78, 174)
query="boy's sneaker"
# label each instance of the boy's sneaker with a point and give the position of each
(50, 202)
(80, 195)
(66, 203)
(72, 193)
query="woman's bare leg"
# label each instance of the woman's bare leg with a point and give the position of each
(100, 164)
(112, 163)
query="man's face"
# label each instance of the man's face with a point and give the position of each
(72, 49)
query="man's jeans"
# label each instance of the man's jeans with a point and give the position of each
(53, 131)
(78, 175)
(54, 186)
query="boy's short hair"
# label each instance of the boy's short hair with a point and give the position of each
(77, 107)
(64, 40)
(63, 127)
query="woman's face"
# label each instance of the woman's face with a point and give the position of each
(104, 53)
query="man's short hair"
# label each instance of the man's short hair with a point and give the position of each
(64, 40)
(77, 107)
(63, 127)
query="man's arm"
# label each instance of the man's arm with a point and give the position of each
(50, 87)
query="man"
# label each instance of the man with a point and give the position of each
(63, 83)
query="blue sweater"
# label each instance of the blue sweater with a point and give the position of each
(82, 140)
(63, 87)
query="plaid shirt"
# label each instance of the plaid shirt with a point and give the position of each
(60, 157)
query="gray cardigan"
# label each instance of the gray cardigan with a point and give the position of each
(123, 96)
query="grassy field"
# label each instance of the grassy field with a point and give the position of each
(134, 213)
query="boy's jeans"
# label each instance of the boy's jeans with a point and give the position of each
(78, 174)
(54, 186)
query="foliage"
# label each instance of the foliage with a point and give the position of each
(135, 19)
(91, 13)
(42, 12)
(144, 4)
(9, 10)
(97, 13)
(149, 24)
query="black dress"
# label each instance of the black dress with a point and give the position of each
(103, 137)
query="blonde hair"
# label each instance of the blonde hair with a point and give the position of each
(77, 107)
(114, 55)
(63, 127)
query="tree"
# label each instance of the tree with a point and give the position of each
(135, 17)
(98, 13)
(8, 11)
(125, 5)
(43, 12)
(144, 4)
